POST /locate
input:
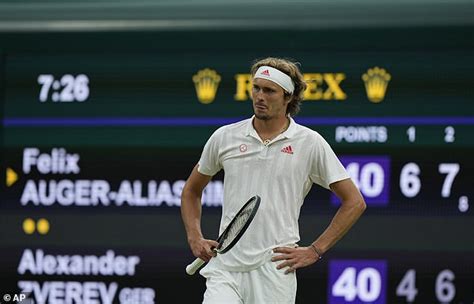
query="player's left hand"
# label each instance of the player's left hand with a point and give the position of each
(294, 258)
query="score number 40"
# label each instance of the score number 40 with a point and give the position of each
(366, 285)
(371, 175)
(365, 281)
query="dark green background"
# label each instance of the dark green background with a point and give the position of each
(148, 73)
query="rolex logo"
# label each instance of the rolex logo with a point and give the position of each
(206, 83)
(376, 82)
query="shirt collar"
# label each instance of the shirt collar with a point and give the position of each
(289, 133)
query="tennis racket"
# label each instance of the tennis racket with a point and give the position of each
(232, 233)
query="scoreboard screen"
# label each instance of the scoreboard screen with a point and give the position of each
(101, 130)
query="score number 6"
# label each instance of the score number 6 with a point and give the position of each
(410, 184)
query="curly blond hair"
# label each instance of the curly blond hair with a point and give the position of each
(291, 69)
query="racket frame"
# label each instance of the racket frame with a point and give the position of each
(197, 263)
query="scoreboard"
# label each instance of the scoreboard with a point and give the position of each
(101, 130)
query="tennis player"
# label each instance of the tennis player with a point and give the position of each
(272, 156)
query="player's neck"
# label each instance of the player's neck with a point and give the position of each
(270, 128)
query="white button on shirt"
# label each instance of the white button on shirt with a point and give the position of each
(281, 172)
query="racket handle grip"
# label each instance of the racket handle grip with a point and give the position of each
(194, 266)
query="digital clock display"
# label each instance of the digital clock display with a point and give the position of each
(67, 89)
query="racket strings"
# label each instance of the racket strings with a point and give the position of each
(237, 225)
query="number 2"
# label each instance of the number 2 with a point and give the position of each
(449, 134)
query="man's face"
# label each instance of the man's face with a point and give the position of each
(268, 99)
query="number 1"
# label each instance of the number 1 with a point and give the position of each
(411, 132)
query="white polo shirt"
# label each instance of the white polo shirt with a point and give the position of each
(281, 173)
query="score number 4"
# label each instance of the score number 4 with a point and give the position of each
(67, 89)
(444, 288)
(365, 281)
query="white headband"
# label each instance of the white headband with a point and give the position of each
(276, 76)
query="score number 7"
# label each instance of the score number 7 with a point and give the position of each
(410, 183)
(451, 170)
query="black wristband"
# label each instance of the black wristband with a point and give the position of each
(318, 252)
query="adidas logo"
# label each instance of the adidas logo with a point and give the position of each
(288, 150)
(266, 73)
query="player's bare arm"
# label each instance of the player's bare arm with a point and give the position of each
(191, 215)
(352, 207)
